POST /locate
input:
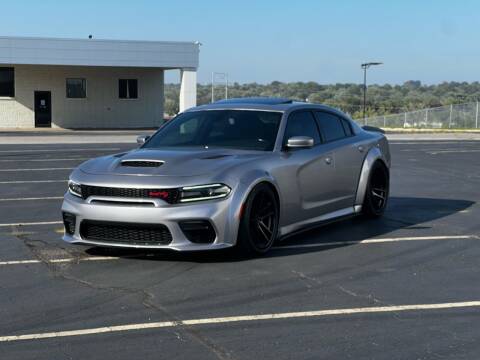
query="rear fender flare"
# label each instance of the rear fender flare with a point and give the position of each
(372, 156)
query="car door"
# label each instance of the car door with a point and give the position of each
(339, 138)
(309, 173)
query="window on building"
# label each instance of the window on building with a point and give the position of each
(128, 89)
(330, 126)
(76, 88)
(7, 82)
(302, 123)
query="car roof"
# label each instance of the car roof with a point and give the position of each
(256, 100)
(264, 104)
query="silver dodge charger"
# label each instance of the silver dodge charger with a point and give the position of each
(239, 172)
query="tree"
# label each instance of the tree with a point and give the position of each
(171, 106)
(381, 100)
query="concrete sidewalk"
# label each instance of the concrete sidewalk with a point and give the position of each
(457, 136)
(62, 136)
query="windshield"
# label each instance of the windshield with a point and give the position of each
(238, 129)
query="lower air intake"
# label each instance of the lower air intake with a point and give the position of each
(125, 233)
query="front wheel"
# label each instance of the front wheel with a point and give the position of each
(376, 196)
(259, 222)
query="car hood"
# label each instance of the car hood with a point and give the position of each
(177, 162)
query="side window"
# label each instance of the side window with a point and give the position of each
(347, 127)
(76, 88)
(128, 89)
(330, 126)
(301, 123)
(7, 82)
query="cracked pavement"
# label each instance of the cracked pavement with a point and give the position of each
(433, 195)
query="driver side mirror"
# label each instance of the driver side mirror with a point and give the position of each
(142, 139)
(296, 142)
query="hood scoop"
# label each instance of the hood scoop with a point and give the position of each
(142, 163)
(119, 155)
(213, 157)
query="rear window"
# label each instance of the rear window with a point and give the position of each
(347, 127)
(330, 126)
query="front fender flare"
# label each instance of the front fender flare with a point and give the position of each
(245, 185)
(251, 179)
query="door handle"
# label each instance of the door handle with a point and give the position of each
(361, 148)
(328, 160)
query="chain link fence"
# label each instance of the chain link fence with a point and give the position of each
(459, 116)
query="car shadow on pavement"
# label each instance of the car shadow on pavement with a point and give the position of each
(410, 213)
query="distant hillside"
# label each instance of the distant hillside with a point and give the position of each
(382, 99)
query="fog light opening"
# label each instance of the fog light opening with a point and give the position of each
(69, 221)
(198, 231)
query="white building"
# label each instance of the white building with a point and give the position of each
(87, 83)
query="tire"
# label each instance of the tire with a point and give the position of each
(259, 222)
(378, 187)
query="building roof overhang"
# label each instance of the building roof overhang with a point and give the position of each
(97, 52)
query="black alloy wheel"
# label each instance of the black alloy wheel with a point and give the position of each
(376, 197)
(259, 222)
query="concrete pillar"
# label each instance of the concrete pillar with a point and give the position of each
(188, 89)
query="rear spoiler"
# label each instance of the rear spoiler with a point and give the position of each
(373, 128)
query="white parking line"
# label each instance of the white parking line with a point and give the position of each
(62, 149)
(33, 198)
(38, 169)
(452, 151)
(58, 261)
(325, 244)
(378, 241)
(31, 181)
(32, 223)
(434, 142)
(43, 160)
(243, 318)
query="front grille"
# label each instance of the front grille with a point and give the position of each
(169, 195)
(142, 163)
(123, 203)
(125, 233)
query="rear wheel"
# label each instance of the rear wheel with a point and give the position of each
(259, 222)
(376, 196)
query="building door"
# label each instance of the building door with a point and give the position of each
(43, 109)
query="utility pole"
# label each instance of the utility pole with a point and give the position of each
(213, 84)
(365, 66)
(226, 85)
(476, 117)
(223, 76)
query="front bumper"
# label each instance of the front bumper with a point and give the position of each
(222, 214)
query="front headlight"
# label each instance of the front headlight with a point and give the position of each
(75, 188)
(203, 192)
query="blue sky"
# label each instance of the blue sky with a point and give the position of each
(262, 41)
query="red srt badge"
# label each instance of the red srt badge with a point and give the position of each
(159, 194)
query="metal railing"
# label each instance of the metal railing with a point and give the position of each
(459, 116)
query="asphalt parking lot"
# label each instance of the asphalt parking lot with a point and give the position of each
(402, 287)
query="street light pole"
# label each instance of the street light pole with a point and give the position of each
(365, 66)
